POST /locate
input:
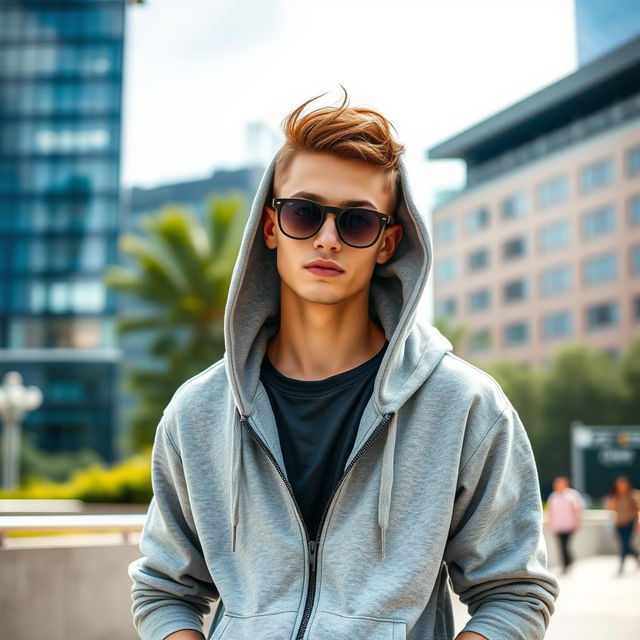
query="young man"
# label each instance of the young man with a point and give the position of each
(327, 477)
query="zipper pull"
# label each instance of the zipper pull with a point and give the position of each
(312, 554)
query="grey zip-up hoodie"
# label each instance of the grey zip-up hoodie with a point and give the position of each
(441, 484)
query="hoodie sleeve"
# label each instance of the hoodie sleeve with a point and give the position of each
(172, 587)
(495, 553)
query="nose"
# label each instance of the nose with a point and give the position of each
(327, 235)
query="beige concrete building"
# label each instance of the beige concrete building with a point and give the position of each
(542, 246)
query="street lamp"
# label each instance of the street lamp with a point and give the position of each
(15, 401)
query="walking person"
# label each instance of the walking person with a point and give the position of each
(564, 509)
(624, 501)
(339, 466)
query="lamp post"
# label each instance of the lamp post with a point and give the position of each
(15, 401)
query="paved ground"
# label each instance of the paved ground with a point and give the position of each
(594, 603)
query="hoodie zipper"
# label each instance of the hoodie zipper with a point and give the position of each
(312, 545)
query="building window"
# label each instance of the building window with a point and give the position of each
(445, 231)
(515, 290)
(553, 191)
(635, 260)
(599, 221)
(556, 325)
(446, 307)
(81, 333)
(514, 206)
(480, 340)
(478, 260)
(514, 248)
(555, 280)
(596, 175)
(602, 315)
(446, 270)
(554, 236)
(634, 210)
(477, 220)
(633, 161)
(516, 333)
(479, 300)
(600, 268)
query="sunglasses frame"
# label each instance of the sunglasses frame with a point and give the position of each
(383, 218)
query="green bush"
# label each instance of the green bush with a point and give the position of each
(127, 482)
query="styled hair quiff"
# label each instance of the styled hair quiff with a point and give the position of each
(348, 132)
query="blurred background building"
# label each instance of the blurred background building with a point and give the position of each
(542, 245)
(60, 130)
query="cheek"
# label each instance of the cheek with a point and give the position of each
(289, 259)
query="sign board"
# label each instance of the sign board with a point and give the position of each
(600, 453)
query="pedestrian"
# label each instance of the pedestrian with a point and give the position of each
(339, 465)
(623, 500)
(564, 509)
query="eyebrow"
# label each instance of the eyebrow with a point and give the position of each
(344, 203)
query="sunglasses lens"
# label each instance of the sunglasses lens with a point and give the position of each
(359, 228)
(300, 219)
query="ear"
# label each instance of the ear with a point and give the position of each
(269, 224)
(390, 240)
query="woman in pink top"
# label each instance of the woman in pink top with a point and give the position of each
(564, 508)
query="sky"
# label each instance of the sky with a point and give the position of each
(197, 71)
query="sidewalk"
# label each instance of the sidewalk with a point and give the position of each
(594, 603)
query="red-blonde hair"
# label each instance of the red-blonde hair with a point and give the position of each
(347, 132)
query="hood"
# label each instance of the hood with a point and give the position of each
(251, 319)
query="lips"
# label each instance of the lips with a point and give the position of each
(320, 270)
(324, 265)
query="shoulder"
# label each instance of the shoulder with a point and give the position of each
(478, 398)
(472, 388)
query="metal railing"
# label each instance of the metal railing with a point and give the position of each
(125, 523)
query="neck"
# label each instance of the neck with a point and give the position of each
(316, 341)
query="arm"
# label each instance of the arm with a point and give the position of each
(172, 588)
(186, 634)
(495, 552)
(469, 635)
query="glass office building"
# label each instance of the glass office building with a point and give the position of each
(60, 121)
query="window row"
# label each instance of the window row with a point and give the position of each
(56, 296)
(86, 60)
(59, 175)
(552, 237)
(74, 333)
(597, 269)
(59, 22)
(47, 97)
(61, 253)
(553, 191)
(554, 326)
(59, 212)
(43, 138)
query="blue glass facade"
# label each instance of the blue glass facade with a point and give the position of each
(60, 121)
(603, 25)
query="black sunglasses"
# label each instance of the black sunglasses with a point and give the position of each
(300, 219)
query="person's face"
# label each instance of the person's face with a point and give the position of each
(622, 485)
(559, 484)
(332, 181)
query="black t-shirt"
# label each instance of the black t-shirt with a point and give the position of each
(317, 424)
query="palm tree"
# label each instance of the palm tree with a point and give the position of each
(178, 279)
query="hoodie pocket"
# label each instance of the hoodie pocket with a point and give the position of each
(266, 626)
(342, 627)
